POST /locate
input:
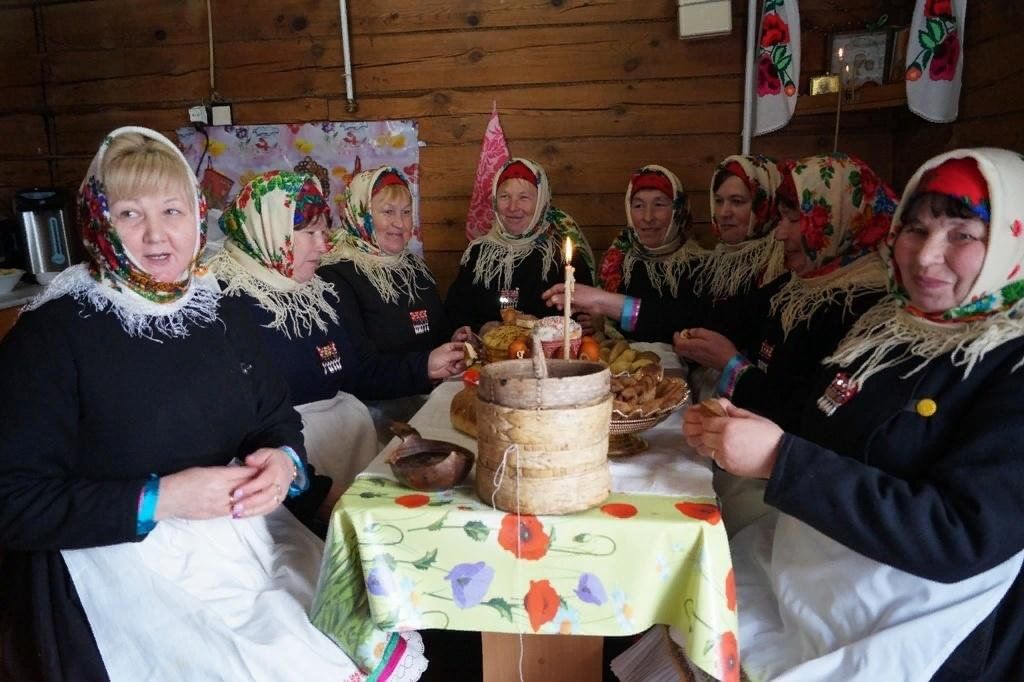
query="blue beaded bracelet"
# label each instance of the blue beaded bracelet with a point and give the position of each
(630, 311)
(145, 521)
(300, 480)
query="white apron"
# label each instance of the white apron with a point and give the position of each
(218, 599)
(340, 436)
(812, 609)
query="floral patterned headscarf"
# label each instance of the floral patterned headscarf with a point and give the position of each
(394, 276)
(991, 314)
(664, 263)
(114, 280)
(729, 269)
(501, 252)
(845, 212)
(258, 257)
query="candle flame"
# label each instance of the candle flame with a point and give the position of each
(840, 54)
(568, 250)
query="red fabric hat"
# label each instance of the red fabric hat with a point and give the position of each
(651, 180)
(517, 169)
(388, 177)
(787, 188)
(960, 179)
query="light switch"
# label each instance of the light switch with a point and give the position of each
(220, 115)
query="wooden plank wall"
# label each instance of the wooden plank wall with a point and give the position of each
(991, 108)
(591, 89)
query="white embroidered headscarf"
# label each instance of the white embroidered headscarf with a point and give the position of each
(992, 312)
(666, 263)
(757, 260)
(845, 212)
(500, 252)
(392, 275)
(257, 259)
(114, 279)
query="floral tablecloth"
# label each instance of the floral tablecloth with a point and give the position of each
(401, 559)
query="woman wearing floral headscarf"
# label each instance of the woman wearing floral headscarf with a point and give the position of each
(721, 287)
(276, 234)
(651, 258)
(896, 548)
(834, 212)
(389, 292)
(522, 255)
(127, 389)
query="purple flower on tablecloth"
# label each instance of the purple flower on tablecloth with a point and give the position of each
(470, 583)
(381, 581)
(591, 590)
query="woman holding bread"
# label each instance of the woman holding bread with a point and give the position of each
(894, 550)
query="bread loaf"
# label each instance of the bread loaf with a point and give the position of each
(463, 411)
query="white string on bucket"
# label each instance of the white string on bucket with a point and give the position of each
(499, 476)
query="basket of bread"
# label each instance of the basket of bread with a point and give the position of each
(643, 396)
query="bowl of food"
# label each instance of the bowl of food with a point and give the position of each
(9, 277)
(500, 340)
(641, 401)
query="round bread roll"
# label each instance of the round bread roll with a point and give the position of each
(463, 411)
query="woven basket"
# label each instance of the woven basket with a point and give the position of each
(547, 436)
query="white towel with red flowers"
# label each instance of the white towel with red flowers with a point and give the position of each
(777, 65)
(813, 610)
(935, 59)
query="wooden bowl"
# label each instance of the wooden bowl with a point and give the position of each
(425, 464)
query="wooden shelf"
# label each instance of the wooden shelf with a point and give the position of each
(866, 98)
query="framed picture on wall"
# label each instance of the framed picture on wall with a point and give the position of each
(864, 57)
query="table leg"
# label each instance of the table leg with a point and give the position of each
(545, 658)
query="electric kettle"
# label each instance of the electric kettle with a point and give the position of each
(49, 242)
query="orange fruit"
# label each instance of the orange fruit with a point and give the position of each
(590, 349)
(518, 349)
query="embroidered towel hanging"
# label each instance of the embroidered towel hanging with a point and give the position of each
(777, 61)
(935, 59)
(493, 154)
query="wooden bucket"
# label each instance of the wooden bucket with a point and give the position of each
(550, 431)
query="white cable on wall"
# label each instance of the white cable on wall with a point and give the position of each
(346, 50)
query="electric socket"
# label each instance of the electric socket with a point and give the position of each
(198, 114)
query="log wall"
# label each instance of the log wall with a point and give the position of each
(591, 89)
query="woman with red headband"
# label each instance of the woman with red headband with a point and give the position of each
(522, 254)
(722, 287)
(894, 549)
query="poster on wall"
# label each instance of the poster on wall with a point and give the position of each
(332, 151)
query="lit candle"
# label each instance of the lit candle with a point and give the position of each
(567, 310)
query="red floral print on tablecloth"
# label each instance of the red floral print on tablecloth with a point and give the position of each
(541, 603)
(700, 511)
(524, 536)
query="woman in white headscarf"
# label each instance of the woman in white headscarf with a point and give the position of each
(896, 548)
(522, 255)
(146, 446)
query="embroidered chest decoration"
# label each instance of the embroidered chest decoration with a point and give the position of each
(838, 393)
(330, 361)
(765, 356)
(420, 321)
(508, 298)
